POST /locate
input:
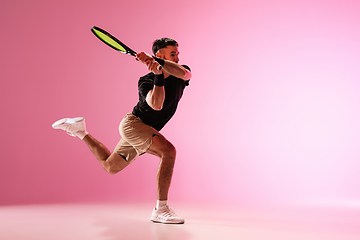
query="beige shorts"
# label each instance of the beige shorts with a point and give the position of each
(136, 137)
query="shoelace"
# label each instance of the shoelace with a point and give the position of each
(68, 130)
(167, 213)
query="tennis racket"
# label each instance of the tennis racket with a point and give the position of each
(113, 42)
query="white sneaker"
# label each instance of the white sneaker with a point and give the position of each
(73, 126)
(165, 215)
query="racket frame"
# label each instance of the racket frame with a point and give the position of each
(128, 50)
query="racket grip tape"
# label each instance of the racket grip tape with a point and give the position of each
(159, 60)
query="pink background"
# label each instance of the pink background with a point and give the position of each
(271, 115)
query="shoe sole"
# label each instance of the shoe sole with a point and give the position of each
(167, 222)
(66, 120)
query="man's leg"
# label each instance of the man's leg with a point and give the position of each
(167, 154)
(111, 162)
(115, 162)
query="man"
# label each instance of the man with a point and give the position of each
(159, 94)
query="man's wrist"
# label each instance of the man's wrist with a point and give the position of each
(159, 80)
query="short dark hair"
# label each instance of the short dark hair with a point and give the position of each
(163, 43)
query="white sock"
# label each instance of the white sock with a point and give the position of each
(161, 204)
(81, 134)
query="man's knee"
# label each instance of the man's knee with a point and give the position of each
(169, 151)
(162, 148)
(112, 169)
(115, 164)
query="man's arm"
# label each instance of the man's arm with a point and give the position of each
(172, 68)
(176, 70)
(156, 96)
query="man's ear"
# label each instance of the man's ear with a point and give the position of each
(159, 54)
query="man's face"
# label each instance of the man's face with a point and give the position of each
(170, 53)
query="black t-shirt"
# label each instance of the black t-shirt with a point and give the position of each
(174, 88)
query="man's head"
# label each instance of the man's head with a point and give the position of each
(163, 43)
(166, 48)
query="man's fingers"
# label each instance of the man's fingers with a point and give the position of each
(150, 65)
(143, 57)
(149, 61)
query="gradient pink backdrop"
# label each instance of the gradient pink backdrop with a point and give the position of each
(271, 115)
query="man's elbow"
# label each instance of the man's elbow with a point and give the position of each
(157, 108)
(187, 75)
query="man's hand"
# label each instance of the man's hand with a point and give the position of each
(150, 62)
(143, 57)
(153, 66)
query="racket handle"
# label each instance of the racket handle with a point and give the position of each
(159, 60)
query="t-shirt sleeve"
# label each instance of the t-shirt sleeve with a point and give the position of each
(145, 84)
(187, 67)
(188, 81)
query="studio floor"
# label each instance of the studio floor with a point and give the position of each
(131, 221)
